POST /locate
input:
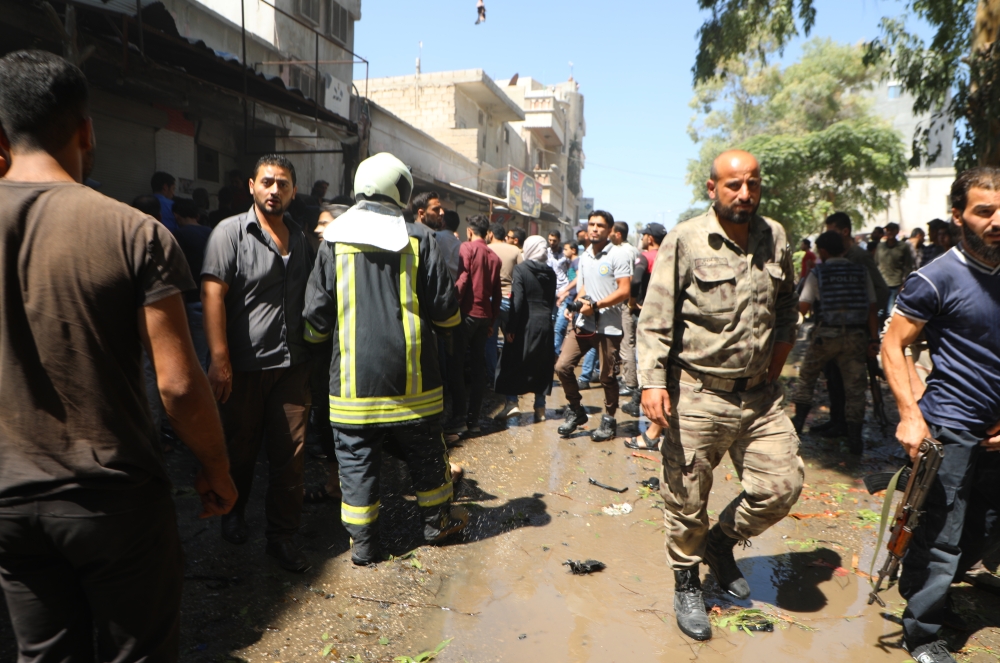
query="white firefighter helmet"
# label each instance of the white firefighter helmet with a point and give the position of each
(385, 176)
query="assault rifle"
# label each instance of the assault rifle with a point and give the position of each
(908, 513)
(877, 403)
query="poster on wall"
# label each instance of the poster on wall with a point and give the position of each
(524, 194)
(586, 207)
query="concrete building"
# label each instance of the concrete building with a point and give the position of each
(926, 196)
(171, 92)
(493, 125)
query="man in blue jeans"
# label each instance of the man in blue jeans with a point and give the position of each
(955, 302)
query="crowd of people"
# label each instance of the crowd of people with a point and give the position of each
(366, 326)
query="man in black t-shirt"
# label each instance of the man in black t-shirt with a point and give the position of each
(88, 532)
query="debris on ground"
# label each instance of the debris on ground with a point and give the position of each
(583, 568)
(595, 482)
(618, 509)
(653, 483)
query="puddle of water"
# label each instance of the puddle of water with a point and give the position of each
(533, 609)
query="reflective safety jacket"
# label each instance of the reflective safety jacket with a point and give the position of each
(379, 306)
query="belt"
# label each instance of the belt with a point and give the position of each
(714, 383)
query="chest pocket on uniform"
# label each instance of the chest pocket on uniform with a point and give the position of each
(716, 288)
(776, 273)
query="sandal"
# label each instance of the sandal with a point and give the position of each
(650, 445)
(318, 495)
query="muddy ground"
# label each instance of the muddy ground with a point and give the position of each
(508, 593)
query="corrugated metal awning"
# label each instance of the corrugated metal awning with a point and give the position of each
(122, 6)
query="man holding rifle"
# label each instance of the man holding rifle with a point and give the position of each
(955, 301)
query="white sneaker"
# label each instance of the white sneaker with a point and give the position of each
(509, 410)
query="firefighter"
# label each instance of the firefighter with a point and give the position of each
(378, 288)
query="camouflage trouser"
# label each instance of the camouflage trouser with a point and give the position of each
(849, 348)
(762, 444)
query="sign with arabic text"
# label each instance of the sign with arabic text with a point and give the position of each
(524, 194)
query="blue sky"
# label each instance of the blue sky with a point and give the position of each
(632, 60)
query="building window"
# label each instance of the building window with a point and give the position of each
(208, 164)
(506, 135)
(309, 9)
(304, 79)
(480, 118)
(338, 21)
(484, 140)
(895, 91)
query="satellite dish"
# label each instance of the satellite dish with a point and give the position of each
(513, 80)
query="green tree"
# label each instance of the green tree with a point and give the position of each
(956, 75)
(691, 212)
(811, 128)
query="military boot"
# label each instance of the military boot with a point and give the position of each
(837, 429)
(855, 440)
(689, 606)
(607, 430)
(576, 416)
(632, 408)
(801, 412)
(719, 557)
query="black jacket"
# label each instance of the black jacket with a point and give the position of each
(529, 360)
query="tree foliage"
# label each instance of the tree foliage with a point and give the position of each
(811, 128)
(955, 76)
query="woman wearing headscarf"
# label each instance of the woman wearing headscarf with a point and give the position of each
(528, 358)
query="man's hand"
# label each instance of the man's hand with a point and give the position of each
(586, 309)
(992, 442)
(910, 432)
(217, 491)
(656, 406)
(220, 376)
(873, 349)
(568, 315)
(509, 338)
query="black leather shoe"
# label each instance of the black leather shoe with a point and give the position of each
(607, 430)
(719, 557)
(583, 384)
(932, 652)
(575, 417)
(289, 557)
(234, 528)
(634, 407)
(689, 606)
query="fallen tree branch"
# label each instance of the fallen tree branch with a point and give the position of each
(412, 605)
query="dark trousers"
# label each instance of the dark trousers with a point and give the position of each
(104, 561)
(835, 390)
(959, 516)
(359, 451)
(451, 357)
(319, 431)
(574, 347)
(469, 400)
(269, 408)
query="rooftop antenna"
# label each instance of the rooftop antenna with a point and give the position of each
(420, 52)
(571, 70)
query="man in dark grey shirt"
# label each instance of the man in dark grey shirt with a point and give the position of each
(253, 288)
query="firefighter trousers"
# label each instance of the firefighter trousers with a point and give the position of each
(359, 451)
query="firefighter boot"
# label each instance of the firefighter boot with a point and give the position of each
(689, 606)
(855, 441)
(719, 557)
(801, 412)
(442, 521)
(366, 547)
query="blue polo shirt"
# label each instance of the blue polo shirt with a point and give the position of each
(958, 298)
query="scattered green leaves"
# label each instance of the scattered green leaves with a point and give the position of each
(869, 517)
(424, 656)
(328, 650)
(746, 620)
(324, 637)
(415, 563)
(383, 640)
(803, 544)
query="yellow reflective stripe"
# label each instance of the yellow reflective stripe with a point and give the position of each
(387, 416)
(409, 262)
(383, 402)
(343, 248)
(436, 496)
(453, 321)
(346, 322)
(313, 335)
(359, 515)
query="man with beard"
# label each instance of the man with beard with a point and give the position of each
(90, 559)
(253, 285)
(955, 302)
(717, 324)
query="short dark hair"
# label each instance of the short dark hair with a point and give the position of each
(917, 232)
(608, 218)
(149, 204)
(43, 100)
(318, 184)
(341, 199)
(480, 225)
(519, 234)
(200, 196)
(187, 208)
(557, 235)
(274, 160)
(839, 220)
(161, 179)
(407, 216)
(621, 227)
(452, 220)
(893, 225)
(807, 243)
(422, 200)
(499, 232)
(832, 242)
(581, 230)
(935, 225)
(225, 196)
(981, 177)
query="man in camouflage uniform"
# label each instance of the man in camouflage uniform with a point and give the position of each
(846, 333)
(717, 324)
